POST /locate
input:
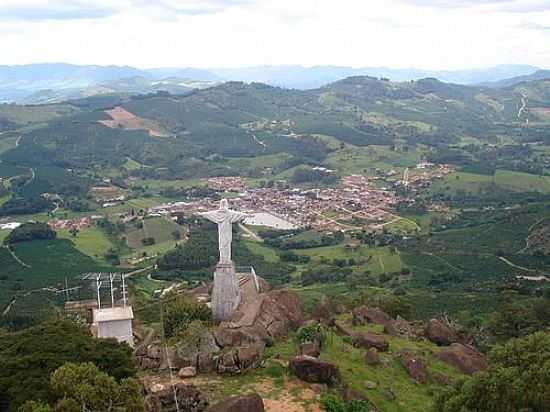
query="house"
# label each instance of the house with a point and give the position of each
(115, 322)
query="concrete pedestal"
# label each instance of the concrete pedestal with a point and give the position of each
(225, 294)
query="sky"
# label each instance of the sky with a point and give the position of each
(425, 34)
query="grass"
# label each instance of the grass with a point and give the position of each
(162, 184)
(364, 160)
(377, 260)
(389, 375)
(160, 229)
(403, 225)
(131, 164)
(92, 242)
(475, 183)
(267, 252)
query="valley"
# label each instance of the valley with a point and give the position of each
(431, 196)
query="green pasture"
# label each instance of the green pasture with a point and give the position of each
(390, 376)
(160, 229)
(506, 179)
(363, 160)
(91, 241)
(377, 260)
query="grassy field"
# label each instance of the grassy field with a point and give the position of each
(376, 260)
(364, 160)
(92, 242)
(390, 375)
(267, 252)
(160, 229)
(475, 183)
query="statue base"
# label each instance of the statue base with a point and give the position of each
(225, 293)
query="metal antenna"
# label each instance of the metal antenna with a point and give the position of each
(111, 284)
(98, 285)
(123, 290)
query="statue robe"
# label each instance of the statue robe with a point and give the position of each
(224, 218)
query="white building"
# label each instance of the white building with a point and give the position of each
(114, 323)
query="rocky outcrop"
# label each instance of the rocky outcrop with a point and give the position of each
(463, 357)
(273, 315)
(241, 359)
(364, 314)
(440, 333)
(149, 357)
(313, 370)
(245, 403)
(414, 365)
(161, 398)
(312, 349)
(398, 327)
(369, 340)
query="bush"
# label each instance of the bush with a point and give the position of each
(309, 333)
(180, 312)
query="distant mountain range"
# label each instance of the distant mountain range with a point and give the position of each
(54, 82)
(513, 81)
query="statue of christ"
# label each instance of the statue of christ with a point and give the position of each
(224, 218)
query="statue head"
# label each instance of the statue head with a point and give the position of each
(224, 204)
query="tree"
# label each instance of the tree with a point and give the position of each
(29, 357)
(95, 390)
(32, 406)
(513, 320)
(518, 379)
(30, 231)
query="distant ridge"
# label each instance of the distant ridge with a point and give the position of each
(53, 82)
(538, 75)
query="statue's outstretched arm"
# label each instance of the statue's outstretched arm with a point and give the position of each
(239, 216)
(215, 216)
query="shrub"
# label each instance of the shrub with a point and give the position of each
(180, 312)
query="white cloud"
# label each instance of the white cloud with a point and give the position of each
(214, 33)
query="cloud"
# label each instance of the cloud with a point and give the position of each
(512, 6)
(189, 7)
(534, 26)
(25, 10)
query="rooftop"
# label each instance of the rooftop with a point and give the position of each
(113, 314)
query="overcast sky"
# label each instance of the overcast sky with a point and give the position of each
(429, 34)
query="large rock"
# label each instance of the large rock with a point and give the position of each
(241, 359)
(364, 314)
(372, 358)
(312, 349)
(340, 329)
(414, 365)
(463, 357)
(272, 316)
(198, 349)
(227, 336)
(313, 370)
(250, 357)
(245, 403)
(188, 372)
(440, 333)
(398, 327)
(190, 399)
(369, 340)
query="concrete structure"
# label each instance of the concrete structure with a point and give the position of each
(225, 293)
(115, 323)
